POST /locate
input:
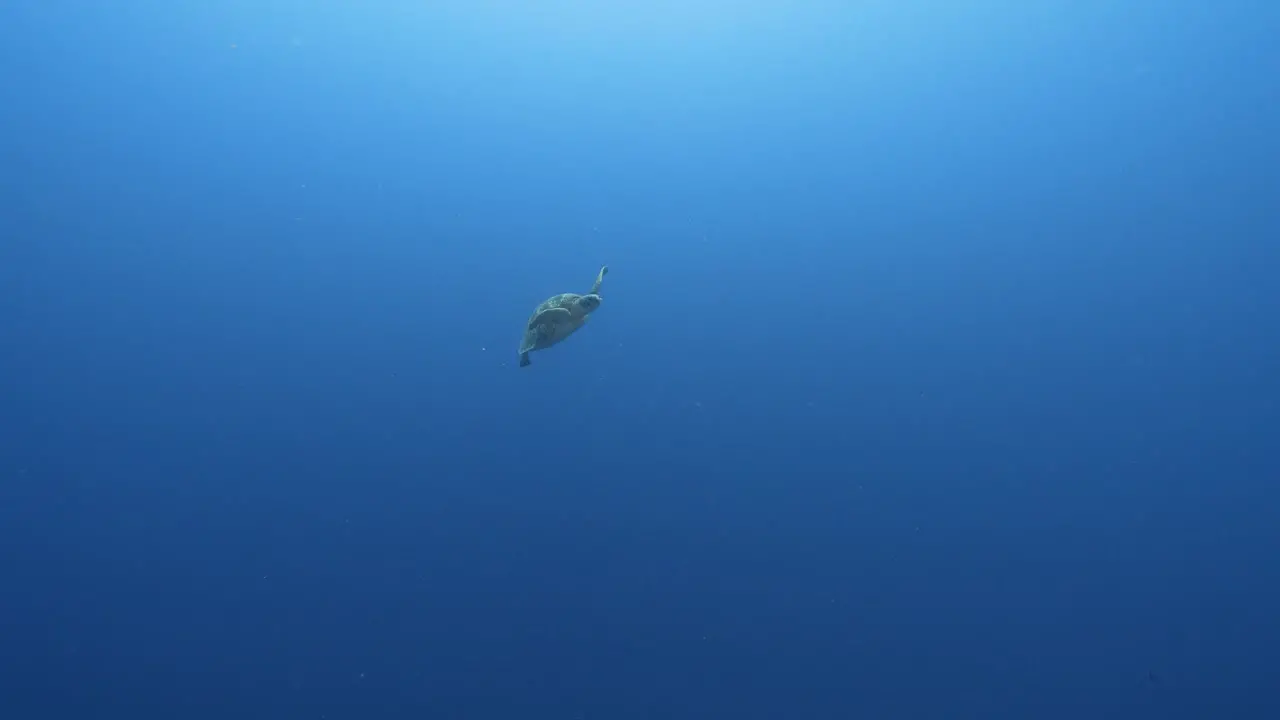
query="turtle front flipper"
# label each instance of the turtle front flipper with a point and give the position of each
(550, 317)
(524, 359)
(595, 288)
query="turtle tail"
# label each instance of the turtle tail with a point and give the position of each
(595, 288)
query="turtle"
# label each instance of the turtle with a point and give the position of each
(558, 317)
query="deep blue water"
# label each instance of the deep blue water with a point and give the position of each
(937, 374)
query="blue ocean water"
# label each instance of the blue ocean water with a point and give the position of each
(936, 374)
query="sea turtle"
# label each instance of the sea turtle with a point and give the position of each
(558, 317)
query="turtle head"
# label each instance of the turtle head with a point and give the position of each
(589, 303)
